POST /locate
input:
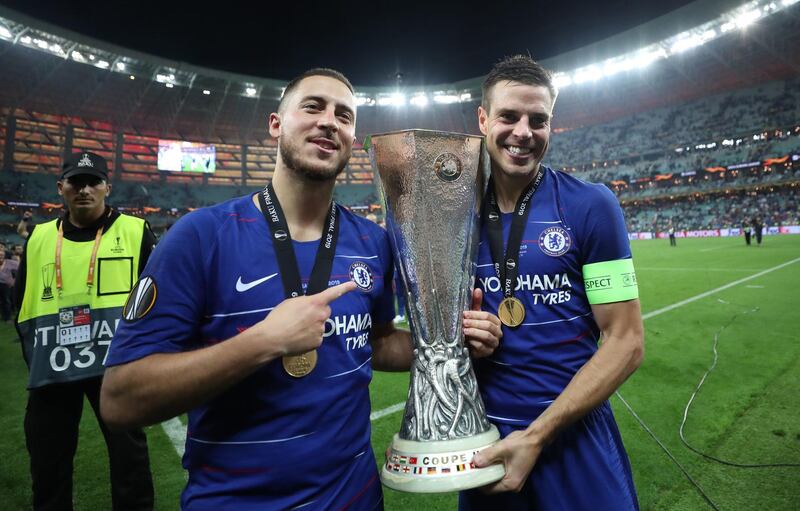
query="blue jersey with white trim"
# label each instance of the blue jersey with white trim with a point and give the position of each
(571, 223)
(272, 441)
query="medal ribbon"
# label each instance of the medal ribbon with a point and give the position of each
(92, 261)
(505, 264)
(284, 251)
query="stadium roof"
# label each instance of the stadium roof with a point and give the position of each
(425, 42)
(53, 70)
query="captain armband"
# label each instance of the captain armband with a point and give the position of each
(610, 281)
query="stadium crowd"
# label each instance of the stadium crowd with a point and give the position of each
(725, 129)
(715, 211)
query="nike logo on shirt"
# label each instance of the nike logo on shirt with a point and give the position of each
(242, 287)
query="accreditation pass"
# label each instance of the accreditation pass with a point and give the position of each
(74, 325)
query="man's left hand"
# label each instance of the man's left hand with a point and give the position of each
(517, 453)
(482, 330)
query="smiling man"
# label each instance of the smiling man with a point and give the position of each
(555, 264)
(74, 276)
(263, 317)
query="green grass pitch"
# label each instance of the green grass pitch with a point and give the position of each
(746, 412)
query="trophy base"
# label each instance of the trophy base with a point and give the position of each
(440, 466)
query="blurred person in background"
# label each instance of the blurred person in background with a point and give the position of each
(747, 230)
(24, 227)
(8, 274)
(758, 229)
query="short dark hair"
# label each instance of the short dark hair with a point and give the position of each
(317, 71)
(517, 68)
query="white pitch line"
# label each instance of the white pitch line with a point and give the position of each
(680, 268)
(386, 411)
(176, 431)
(717, 290)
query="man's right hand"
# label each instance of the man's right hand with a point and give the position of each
(296, 325)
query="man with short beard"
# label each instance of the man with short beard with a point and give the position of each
(555, 263)
(278, 405)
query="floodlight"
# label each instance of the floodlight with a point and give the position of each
(395, 99)
(169, 85)
(420, 100)
(588, 73)
(685, 43)
(5, 33)
(206, 92)
(561, 80)
(250, 91)
(445, 99)
(746, 18)
(121, 66)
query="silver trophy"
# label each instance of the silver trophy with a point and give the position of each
(432, 184)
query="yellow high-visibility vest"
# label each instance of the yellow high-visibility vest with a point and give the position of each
(65, 334)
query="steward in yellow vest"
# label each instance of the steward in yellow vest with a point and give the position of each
(73, 281)
(66, 326)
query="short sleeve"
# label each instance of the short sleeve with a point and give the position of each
(603, 235)
(384, 306)
(164, 311)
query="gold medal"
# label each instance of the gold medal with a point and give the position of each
(511, 312)
(300, 365)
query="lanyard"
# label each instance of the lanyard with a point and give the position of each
(284, 251)
(92, 261)
(505, 264)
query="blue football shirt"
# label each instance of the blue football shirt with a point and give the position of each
(571, 223)
(272, 441)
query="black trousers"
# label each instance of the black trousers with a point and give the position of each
(51, 432)
(6, 302)
(747, 237)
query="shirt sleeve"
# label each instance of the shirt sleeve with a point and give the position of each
(384, 305)
(164, 311)
(603, 235)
